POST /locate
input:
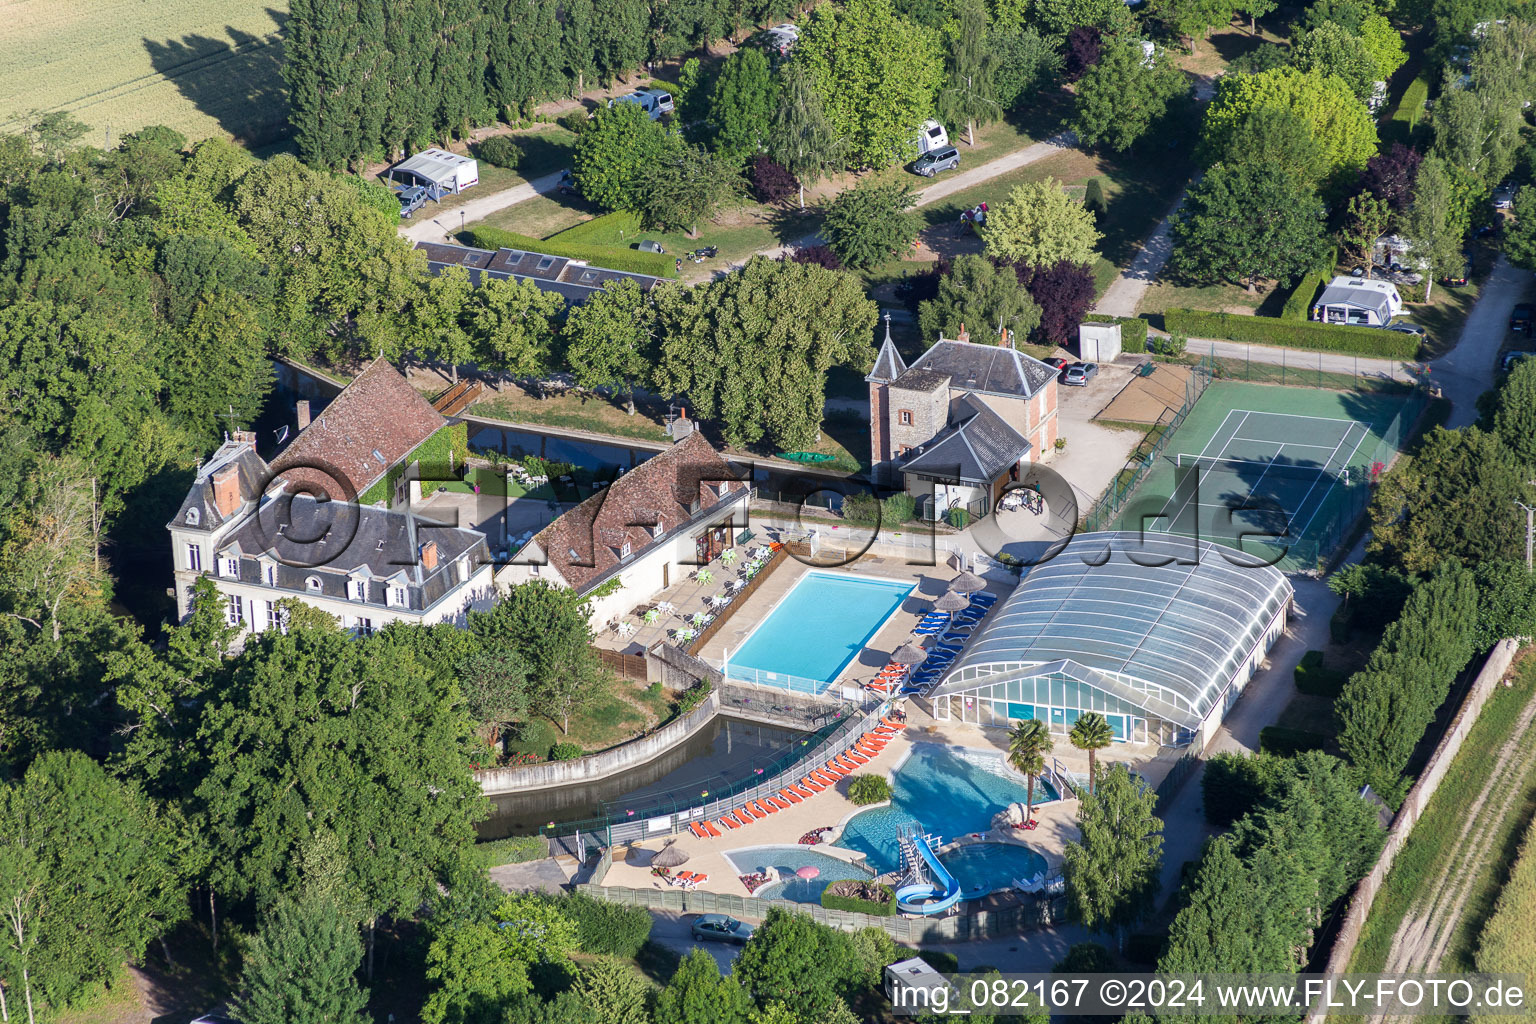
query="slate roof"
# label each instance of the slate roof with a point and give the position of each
(574, 280)
(888, 362)
(989, 368)
(253, 480)
(334, 540)
(585, 544)
(976, 447)
(921, 380)
(375, 422)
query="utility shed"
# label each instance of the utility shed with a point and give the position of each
(1098, 343)
(914, 984)
(441, 172)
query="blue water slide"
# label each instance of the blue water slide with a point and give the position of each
(936, 898)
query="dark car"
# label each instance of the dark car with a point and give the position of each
(1511, 358)
(945, 158)
(1520, 319)
(720, 928)
(412, 199)
(1079, 374)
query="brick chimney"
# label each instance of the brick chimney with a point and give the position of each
(429, 555)
(302, 410)
(226, 490)
(1005, 338)
(964, 334)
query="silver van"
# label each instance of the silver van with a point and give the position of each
(945, 158)
(655, 102)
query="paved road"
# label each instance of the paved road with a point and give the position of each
(1303, 359)
(441, 227)
(1468, 370)
(1125, 292)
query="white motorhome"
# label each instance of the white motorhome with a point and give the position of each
(1350, 300)
(931, 136)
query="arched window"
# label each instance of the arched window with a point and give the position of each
(193, 517)
(312, 584)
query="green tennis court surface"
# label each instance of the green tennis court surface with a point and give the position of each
(1279, 473)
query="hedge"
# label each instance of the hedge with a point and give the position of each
(607, 928)
(512, 850)
(631, 261)
(618, 229)
(1298, 305)
(1266, 330)
(850, 903)
(441, 456)
(1133, 331)
(1287, 742)
(1313, 678)
(1411, 107)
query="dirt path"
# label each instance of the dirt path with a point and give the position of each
(1423, 936)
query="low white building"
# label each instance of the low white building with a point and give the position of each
(368, 566)
(1353, 300)
(443, 173)
(647, 530)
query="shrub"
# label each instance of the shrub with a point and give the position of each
(1283, 740)
(607, 928)
(863, 509)
(565, 752)
(1133, 331)
(869, 789)
(1086, 958)
(1313, 678)
(1263, 330)
(900, 508)
(499, 151)
(654, 264)
(959, 518)
(771, 181)
(511, 850)
(1169, 345)
(1142, 948)
(819, 255)
(1298, 304)
(573, 122)
(692, 697)
(860, 897)
(1093, 199)
(1234, 784)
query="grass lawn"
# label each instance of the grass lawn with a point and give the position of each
(117, 1001)
(1223, 47)
(1438, 833)
(546, 148)
(593, 413)
(1228, 298)
(1444, 316)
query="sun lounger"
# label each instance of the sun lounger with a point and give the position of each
(846, 763)
(698, 830)
(893, 724)
(834, 770)
(744, 814)
(869, 752)
(849, 755)
(789, 795)
(777, 801)
(729, 822)
(761, 810)
(814, 785)
(803, 788)
(714, 833)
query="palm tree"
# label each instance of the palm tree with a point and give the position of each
(1027, 747)
(1091, 732)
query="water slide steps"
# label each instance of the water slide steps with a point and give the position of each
(936, 898)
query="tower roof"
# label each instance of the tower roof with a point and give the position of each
(888, 363)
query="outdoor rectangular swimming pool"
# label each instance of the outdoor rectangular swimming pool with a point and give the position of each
(816, 630)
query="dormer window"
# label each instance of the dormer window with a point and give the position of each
(624, 550)
(312, 584)
(269, 573)
(357, 590)
(231, 567)
(659, 529)
(395, 597)
(194, 517)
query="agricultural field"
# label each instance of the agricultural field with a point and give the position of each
(203, 67)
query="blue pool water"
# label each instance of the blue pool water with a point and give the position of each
(983, 868)
(951, 791)
(788, 860)
(818, 628)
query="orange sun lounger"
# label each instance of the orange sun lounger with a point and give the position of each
(845, 764)
(803, 788)
(761, 810)
(729, 822)
(744, 814)
(714, 832)
(698, 830)
(826, 778)
(855, 758)
(894, 725)
(790, 795)
(810, 783)
(833, 769)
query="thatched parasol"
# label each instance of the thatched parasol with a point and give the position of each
(670, 857)
(909, 654)
(951, 601)
(967, 583)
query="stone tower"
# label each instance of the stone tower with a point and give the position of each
(888, 366)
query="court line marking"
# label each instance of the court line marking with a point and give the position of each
(1320, 474)
(1324, 500)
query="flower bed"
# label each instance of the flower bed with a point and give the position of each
(816, 836)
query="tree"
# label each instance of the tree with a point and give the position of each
(1506, 602)
(1122, 96)
(1255, 9)
(800, 136)
(494, 682)
(686, 186)
(49, 550)
(442, 317)
(1384, 44)
(301, 967)
(1026, 63)
(476, 974)
(614, 154)
(1340, 123)
(752, 350)
(548, 627)
(1193, 19)
(1064, 293)
(1514, 411)
(795, 961)
(608, 339)
(513, 324)
(969, 93)
(1085, 48)
(743, 102)
(1436, 223)
(772, 182)
(1331, 50)
(1039, 225)
(1454, 499)
(870, 223)
(1112, 874)
(1028, 744)
(698, 994)
(613, 992)
(1246, 223)
(877, 75)
(1391, 175)
(977, 294)
(1091, 732)
(1368, 219)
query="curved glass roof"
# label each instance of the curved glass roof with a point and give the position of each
(1164, 621)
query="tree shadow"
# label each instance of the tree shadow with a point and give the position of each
(1232, 45)
(237, 81)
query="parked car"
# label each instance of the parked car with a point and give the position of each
(412, 199)
(1058, 364)
(929, 164)
(1504, 196)
(720, 928)
(1511, 358)
(1404, 327)
(1520, 319)
(655, 102)
(1079, 374)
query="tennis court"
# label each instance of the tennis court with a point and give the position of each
(1279, 473)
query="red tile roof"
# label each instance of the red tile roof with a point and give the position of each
(587, 542)
(374, 423)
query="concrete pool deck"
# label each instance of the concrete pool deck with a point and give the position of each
(829, 808)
